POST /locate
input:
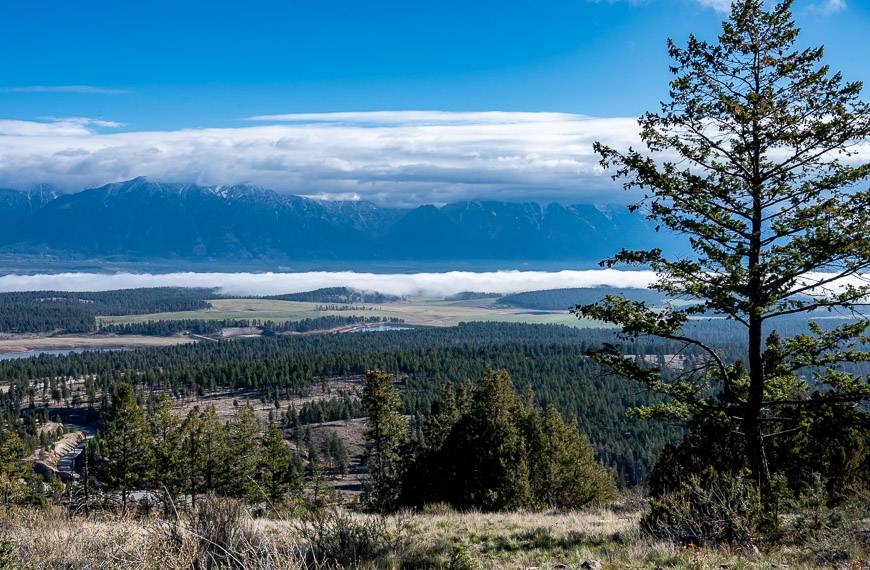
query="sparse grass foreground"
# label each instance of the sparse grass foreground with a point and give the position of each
(222, 534)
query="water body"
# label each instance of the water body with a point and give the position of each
(52, 352)
(380, 328)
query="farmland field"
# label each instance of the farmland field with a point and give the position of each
(418, 311)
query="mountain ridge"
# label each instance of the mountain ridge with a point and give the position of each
(146, 219)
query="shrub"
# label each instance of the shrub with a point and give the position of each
(830, 533)
(8, 560)
(219, 526)
(716, 508)
(460, 559)
(334, 537)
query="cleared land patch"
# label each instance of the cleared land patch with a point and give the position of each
(418, 311)
(26, 343)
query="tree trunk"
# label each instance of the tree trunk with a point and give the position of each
(752, 412)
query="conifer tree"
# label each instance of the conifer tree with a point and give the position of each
(568, 475)
(166, 473)
(337, 456)
(125, 445)
(193, 449)
(215, 452)
(386, 435)
(276, 474)
(244, 444)
(489, 448)
(753, 158)
(12, 470)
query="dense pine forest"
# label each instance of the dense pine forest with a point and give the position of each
(47, 311)
(551, 359)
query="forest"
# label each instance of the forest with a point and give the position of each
(47, 311)
(341, 295)
(168, 327)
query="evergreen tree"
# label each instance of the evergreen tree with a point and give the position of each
(489, 448)
(12, 470)
(193, 449)
(276, 475)
(215, 452)
(337, 456)
(766, 188)
(125, 445)
(386, 435)
(166, 473)
(243, 438)
(566, 472)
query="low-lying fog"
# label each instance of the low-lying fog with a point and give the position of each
(422, 284)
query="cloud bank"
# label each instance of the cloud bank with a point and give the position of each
(405, 157)
(404, 284)
(428, 284)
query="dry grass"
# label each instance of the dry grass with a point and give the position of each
(31, 342)
(225, 536)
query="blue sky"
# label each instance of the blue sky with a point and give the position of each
(171, 65)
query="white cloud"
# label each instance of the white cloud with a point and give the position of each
(54, 127)
(405, 157)
(828, 7)
(721, 6)
(420, 117)
(823, 7)
(85, 89)
(431, 284)
(84, 121)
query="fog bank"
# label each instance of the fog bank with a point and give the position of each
(427, 284)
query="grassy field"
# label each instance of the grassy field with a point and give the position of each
(228, 537)
(419, 311)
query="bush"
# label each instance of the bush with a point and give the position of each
(716, 508)
(219, 526)
(334, 537)
(830, 533)
(460, 559)
(8, 560)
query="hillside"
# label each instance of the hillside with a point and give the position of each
(147, 220)
(336, 295)
(564, 299)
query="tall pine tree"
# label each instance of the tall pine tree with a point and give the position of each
(387, 433)
(125, 445)
(753, 158)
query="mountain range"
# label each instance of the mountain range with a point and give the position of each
(144, 219)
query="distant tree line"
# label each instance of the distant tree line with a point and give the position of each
(344, 295)
(167, 327)
(44, 311)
